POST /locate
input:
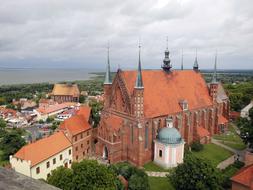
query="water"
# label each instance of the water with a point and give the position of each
(31, 75)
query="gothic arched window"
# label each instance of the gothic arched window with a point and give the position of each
(132, 134)
(146, 137)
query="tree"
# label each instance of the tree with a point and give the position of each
(62, 178)
(11, 143)
(96, 107)
(195, 174)
(2, 124)
(138, 181)
(137, 178)
(50, 119)
(88, 174)
(246, 130)
(82, 99)
(251, 114)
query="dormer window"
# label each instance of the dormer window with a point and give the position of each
(183, 104)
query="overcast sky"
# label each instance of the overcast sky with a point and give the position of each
(74, 33)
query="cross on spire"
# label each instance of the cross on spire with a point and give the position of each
(182, 60)
(196, 65)
(214, 78)
(139, 83)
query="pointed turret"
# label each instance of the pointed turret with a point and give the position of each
(139, 83)
(214, 83)
(166, 61)
(182, 60)
(108, 72)
(214, 78)
(196, 65)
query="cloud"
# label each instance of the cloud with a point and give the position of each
(52, 33)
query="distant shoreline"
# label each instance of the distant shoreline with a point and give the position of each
(37, 76)
(21, 76)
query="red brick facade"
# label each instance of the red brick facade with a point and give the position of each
(128, 124)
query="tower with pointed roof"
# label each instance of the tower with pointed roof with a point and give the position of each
(182, 60)
(196, 65)
(214, 84)
(166, 61)
(138, 90)
(107, 81)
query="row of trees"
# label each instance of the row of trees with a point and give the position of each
(89, 174)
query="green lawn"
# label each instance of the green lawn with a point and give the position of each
(237, 146)
(214, 153)
(159, 183)
(151, 166)
(231, 139)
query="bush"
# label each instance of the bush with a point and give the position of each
(137, 178)
(197, 146)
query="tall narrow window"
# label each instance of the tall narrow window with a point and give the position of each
(160, 153)
(146, 137)
(132, 134)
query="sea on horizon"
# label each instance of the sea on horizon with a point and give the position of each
(10, 76)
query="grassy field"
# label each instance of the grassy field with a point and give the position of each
(214, 153)
(231, 139)
(237, 146)
(151, 166)
(159, 183)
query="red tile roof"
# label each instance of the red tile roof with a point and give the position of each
(163, 91)
(52, 108)
(84, 111)
(77, 123)
(244, 176)
(202, 132)
(7, 111)
(222, 120)
(43, 149)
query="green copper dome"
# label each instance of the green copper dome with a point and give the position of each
(169, 136)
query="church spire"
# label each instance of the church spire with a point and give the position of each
(139, 83)
(214, 78)
(108, 72)
(182, 60)
(196, 65)
(166, 61)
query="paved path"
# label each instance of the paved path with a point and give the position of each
(232, 159)
(157, 174)
(241, 153)
(222, 165)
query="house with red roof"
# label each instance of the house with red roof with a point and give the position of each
(38, 159)
(79, 131)
(243, 179)
(137, 103)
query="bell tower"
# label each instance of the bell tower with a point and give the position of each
(107, 81)
(166, 61)
(214, 84)
(196, 65)
(138, 90)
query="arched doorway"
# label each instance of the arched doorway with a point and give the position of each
(105, 153)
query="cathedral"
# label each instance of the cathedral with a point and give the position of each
(139, 102)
